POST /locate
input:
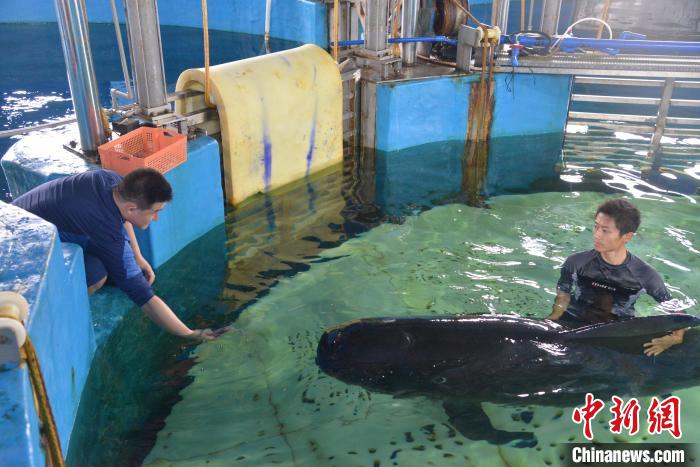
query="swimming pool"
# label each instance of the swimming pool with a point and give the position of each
(257, 397)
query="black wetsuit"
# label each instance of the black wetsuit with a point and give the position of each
(603, 292)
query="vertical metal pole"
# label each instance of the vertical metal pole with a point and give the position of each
(409, 19)
(375, 25)
(147, 55)
(75, 39)
(502, 8)
(664, 107)
(550, 16)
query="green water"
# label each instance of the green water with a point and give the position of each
(257, 396)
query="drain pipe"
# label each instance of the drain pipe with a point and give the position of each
(409, 19)
(73, 26)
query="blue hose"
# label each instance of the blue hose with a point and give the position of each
(401, 40)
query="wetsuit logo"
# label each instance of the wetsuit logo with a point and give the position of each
(603, 286)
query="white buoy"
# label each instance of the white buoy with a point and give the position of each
(13, 312)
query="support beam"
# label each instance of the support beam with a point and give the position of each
(409, 20)
(375, 25)
(147, 56)
(550, 16)
(75, 39)
(661, 117)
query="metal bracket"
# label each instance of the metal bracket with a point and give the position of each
(467, 39)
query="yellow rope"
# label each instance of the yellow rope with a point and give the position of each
(48, 423)
(395, 49)
(205, 27)
(336, 22)
(603, 17)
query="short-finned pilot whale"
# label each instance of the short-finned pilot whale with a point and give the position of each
(507, 359)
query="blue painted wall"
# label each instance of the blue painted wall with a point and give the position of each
(36, 265)
(529, 104)
(196, 208)
(296, 20)
(416, 112)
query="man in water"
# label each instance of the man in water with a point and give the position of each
(603, 284)
(97, 210)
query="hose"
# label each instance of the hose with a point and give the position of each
(48, 422)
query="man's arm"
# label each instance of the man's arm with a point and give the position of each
(140, 260)
(656, 287)
(161, 314)
(561, 303)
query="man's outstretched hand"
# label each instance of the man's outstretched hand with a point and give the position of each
(202, 335)
(659, 344)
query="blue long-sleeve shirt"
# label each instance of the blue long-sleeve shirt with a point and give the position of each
(83, 210)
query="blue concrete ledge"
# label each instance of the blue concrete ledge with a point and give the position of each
(296, 20)
(196, 208)
(36, 265)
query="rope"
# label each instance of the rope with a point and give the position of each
(522, 15)
(603, 17)
(48, 423)
(395, 21)
(205, 27)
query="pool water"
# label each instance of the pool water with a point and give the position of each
(257, 396)
(343, 245)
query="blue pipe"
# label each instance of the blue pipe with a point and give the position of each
(607, 44)
(401, 40)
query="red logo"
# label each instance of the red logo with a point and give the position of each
(586, 413)
(626, 416)
(665, 416)
(661, 416)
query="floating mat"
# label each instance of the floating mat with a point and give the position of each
(280, 115)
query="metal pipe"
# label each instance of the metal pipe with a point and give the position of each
(376, 25)
(409, 20)
(550, 17)
(75, 39)
(614, 44)
(114, 93)
(146, 56)
(502, 8)
(268, 12)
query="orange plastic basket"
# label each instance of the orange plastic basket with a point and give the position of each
(156, 148)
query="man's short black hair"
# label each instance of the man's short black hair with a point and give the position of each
(625, 214)
(145, 187)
